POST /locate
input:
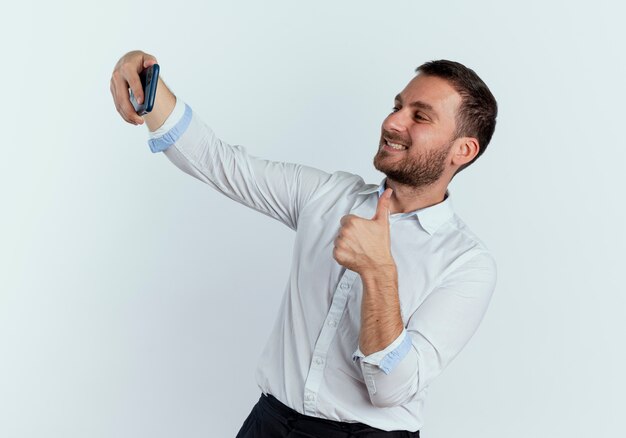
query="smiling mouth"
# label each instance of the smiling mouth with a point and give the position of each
(387, 145)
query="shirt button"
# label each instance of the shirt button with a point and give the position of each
(319, 361)
(344, 286)
(332, 323)
(310, 397)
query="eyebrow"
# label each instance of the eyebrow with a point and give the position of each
(419, 104)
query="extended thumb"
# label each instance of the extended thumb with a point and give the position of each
(383, 204)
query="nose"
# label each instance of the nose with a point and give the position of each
(396, 121)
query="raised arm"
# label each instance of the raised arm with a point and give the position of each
(277, 189)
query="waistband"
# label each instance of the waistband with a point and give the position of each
(292, 418)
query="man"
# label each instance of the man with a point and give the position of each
(387, 284)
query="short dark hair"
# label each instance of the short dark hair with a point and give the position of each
(476, 116)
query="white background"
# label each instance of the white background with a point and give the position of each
(135, 300)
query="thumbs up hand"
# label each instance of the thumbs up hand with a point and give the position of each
(364, 245)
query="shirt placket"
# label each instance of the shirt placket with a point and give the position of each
(327, 334)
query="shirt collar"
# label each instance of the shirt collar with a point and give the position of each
(430, 218)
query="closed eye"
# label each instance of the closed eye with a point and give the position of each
(417, 115)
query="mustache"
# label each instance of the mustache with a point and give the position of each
(395, 138)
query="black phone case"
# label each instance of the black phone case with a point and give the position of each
(149, 80)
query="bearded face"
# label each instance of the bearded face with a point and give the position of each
(417, 137)
(410, 166)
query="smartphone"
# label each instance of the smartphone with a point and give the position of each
(149, 79)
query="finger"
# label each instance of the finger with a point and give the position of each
(339, 255)
(149, 60)
(116, 81)
(126, 109)
(134, 83)
(347, 218)
(383, 207)
(117, 106)
(339, 240)
(344, 243)
(113, 93)
(122, 100)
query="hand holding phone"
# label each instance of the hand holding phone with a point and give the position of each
(149, 80)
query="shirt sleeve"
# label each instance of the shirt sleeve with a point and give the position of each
(277, 189)
(438, 330)
(388, 358)
(158, 141)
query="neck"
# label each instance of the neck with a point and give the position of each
(405, 199)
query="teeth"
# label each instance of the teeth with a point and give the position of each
(395, 146)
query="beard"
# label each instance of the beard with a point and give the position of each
(416, 172)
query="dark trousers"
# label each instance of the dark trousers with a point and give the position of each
(270, 418)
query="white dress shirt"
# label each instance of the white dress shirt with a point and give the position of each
(311, 361)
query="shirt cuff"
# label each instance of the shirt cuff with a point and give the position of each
(173, 127)
(388, 358)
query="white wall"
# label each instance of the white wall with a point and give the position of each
(134, 300)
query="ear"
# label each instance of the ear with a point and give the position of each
(466, 149)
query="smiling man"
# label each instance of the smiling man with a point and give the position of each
(387, 283)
